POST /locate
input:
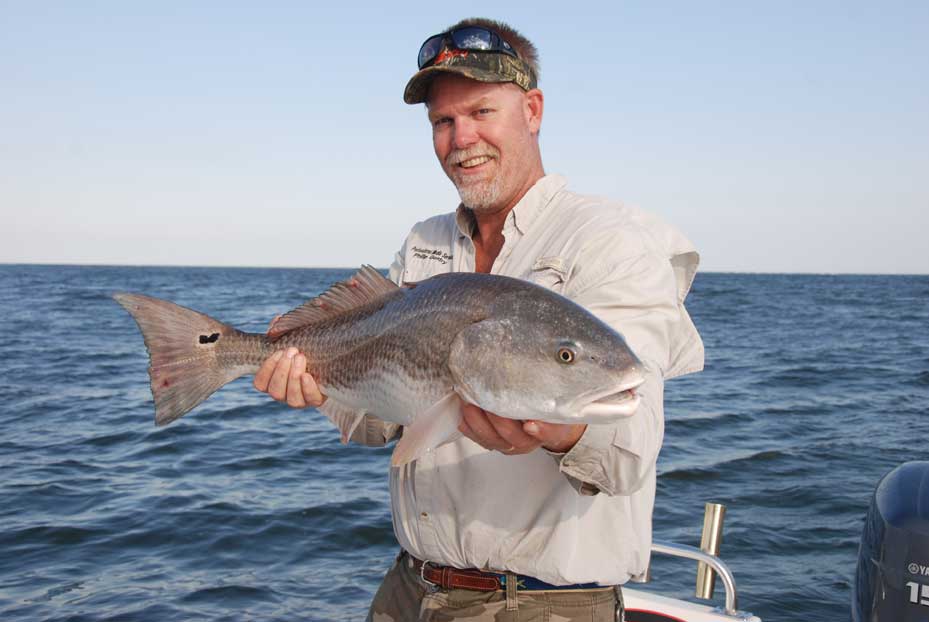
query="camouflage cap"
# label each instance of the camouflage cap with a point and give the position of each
(477, 65)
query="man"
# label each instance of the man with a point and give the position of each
(524, 519)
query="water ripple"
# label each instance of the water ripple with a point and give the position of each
(248, 510)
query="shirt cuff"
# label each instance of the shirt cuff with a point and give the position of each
(583, 460)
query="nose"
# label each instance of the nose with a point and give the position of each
(465, 134)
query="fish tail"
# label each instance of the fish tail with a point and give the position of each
(189, 353)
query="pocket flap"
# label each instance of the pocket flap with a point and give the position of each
(552, 262)
(549, 272)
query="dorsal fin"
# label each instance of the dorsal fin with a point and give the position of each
(364, 286)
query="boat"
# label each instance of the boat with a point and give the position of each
(891, 578)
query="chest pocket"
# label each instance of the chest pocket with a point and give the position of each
(550, 272)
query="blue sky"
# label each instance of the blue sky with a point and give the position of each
(780, 137)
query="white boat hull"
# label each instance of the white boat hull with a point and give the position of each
(644, 606)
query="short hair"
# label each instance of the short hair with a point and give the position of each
(525, 49)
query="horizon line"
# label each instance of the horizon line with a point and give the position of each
(332, 267)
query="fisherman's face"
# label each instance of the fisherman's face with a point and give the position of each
(484, 135)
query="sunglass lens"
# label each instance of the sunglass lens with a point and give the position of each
(471, 38)
(430, 50)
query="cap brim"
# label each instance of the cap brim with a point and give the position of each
(417, 89)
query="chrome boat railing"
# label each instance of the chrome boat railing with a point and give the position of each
(718, 566)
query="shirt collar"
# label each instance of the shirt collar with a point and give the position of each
(524, 212)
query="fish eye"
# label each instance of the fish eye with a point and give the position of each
(566, 356)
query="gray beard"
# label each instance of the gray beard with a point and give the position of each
(481, 197)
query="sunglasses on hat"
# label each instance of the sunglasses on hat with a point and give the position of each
(470, 38)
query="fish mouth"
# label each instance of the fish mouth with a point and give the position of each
(618, 402)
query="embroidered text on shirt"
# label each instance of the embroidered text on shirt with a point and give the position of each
(431, 253)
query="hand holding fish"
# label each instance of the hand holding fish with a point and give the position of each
(283, 376)
(513, 437)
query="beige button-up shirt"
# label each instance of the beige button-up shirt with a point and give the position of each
(584, 516)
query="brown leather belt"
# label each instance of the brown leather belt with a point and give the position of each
(450, 578)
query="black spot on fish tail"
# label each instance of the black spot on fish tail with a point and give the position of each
(211, 339)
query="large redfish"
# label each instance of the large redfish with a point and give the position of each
(409, 355)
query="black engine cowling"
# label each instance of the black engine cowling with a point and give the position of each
(892, 579)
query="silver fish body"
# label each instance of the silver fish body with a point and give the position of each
(409, 355)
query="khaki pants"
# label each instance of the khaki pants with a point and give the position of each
(404, 597)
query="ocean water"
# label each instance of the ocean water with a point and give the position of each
(815, 386)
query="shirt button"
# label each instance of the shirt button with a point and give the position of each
(424, 515)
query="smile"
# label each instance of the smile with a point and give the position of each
(472, 162)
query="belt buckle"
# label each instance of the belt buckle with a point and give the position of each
(432, 587)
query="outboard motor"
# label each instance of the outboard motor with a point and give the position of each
(892, 579)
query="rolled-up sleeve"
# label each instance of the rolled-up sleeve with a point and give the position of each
(637, 297)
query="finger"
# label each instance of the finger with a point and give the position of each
(294, 386)
(273, 322)
(534, 429)
(465, 429)
(555, 436)
(311, 393)
(483, 433)
(263, 377)
(277, 387)
(511, 431)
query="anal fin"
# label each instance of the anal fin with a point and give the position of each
(346, 419)
(435, 426)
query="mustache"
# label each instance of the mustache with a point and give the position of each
(457, 156)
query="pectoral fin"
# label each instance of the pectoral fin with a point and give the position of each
(437, 425)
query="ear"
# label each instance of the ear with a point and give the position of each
(535, 103)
